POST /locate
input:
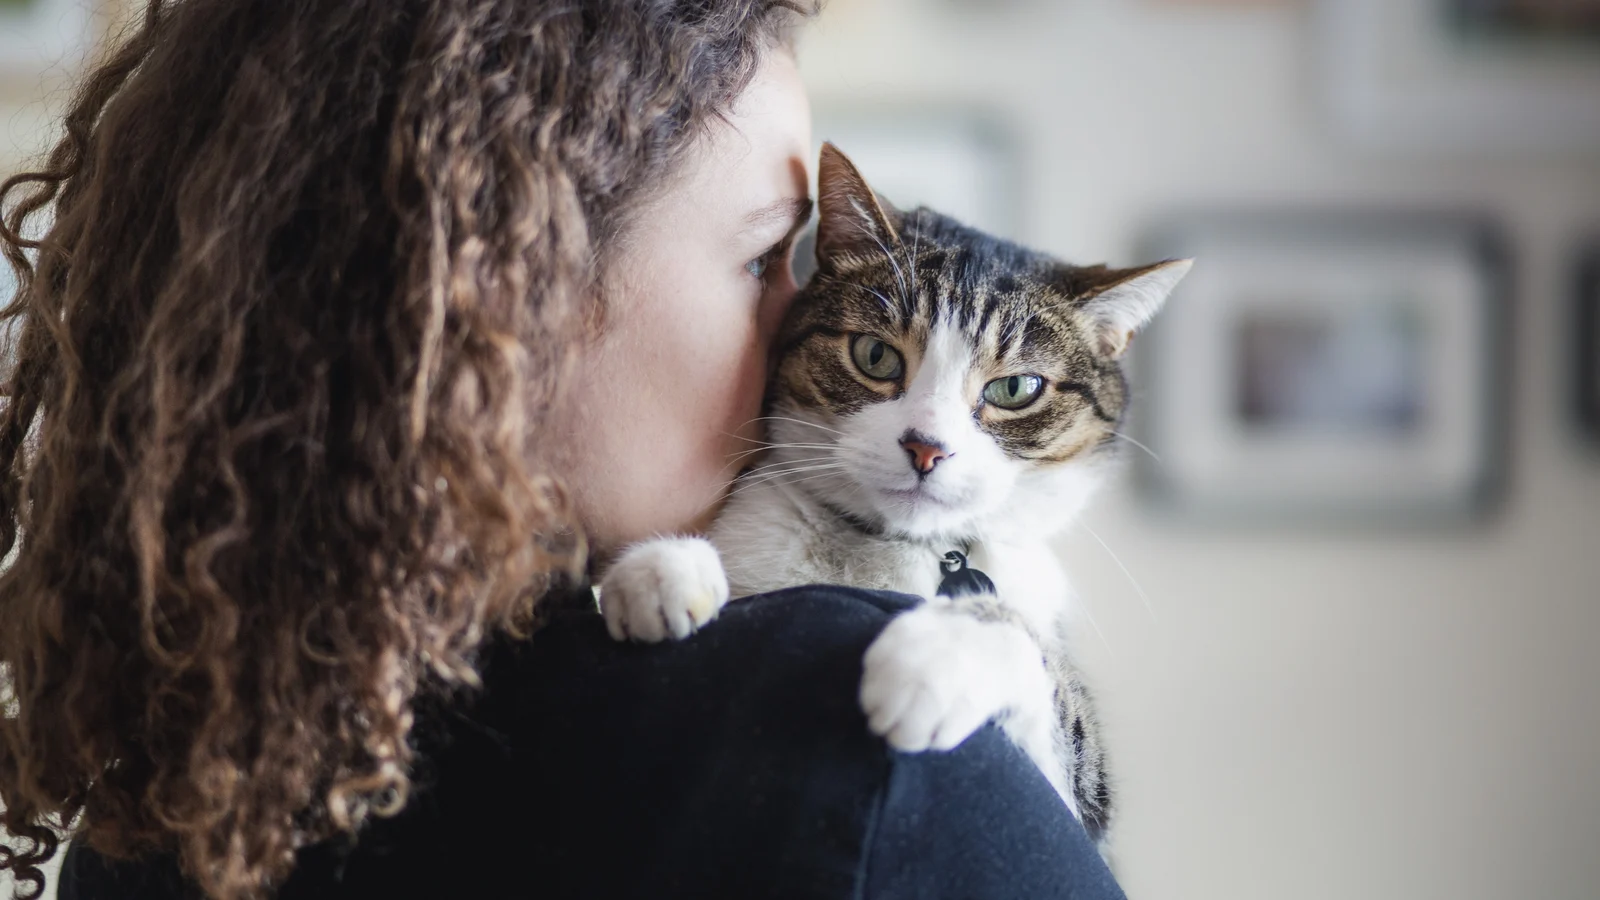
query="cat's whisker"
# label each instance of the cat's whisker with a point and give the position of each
(888, 306)
(745, 466)
(772, 447)
(789, 463)
(824, 452)
(794, 466)
(899, 275)
(792, 470)
(1096, 625)
(778, 479)
(1149, 607)
(1137, 444)
(916, 242)
(765, 443)
(781, 482)
(787, 468)
(775, 476)
(798, 422)
(788, 445)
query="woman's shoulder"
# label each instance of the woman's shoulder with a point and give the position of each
(749, 770)
(783, 649)
(734, 763)
(817, 613)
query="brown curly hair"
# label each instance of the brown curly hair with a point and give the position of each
(266, 472)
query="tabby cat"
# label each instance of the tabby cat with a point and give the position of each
(936, 389)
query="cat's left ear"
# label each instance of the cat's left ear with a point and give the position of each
(1122, 301)
(852, 220)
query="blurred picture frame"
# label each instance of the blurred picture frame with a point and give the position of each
(1327, 367)
(1586, 340)
(1529, 19)
(1459, 77)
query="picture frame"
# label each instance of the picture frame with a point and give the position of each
(1461, 77)
(1586, 340)
(1327, 367)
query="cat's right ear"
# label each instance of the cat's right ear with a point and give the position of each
(852, 219)
(1122, 301)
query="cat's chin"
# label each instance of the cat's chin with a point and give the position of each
(917, 498)
(918, 513)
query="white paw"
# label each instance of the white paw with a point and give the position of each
(663, 588)
(933, 677)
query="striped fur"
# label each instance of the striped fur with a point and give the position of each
(845, 493)
(924, 284)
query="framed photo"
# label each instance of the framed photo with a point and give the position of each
(962, 162)
(1463, 76)
(1556, 19)
(1586, 389)
(1338, 367)
(36, 35)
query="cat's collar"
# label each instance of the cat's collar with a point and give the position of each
(865, 526)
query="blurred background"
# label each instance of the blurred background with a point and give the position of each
(1343, 614)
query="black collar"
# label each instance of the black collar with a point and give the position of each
(874, 530)
(855, 522)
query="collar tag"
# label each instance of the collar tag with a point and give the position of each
(960, 579)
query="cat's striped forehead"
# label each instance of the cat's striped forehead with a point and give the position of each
(1013, 308)
(1004, 297)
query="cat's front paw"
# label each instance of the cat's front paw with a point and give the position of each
(934, 676)
(663, 588)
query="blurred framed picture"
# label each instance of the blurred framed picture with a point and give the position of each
(1336, 367)
(1539, 19)
(1463, 76)
(1586, 389)
(36, 35)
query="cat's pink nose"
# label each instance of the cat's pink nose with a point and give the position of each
(924, 454)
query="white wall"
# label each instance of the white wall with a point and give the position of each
(1308, 714)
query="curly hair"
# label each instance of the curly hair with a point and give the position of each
(266, 464)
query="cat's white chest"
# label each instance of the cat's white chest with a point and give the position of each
(1027, 578)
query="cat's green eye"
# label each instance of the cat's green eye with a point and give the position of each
(875, 358)
(1013, 391)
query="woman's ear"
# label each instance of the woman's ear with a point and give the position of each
(853, 221)
(1122, 301)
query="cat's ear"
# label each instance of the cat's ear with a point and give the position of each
(851, 217)
(1122, 301)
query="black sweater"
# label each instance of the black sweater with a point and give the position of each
(735, 764)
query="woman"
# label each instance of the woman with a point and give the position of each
(289, 480)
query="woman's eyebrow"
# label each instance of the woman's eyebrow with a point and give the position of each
(794, 210)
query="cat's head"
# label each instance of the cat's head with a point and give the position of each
(933, 379)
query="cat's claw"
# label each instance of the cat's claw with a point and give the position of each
(663, 588)
(933, 677)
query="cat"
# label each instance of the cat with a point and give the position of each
(936, 390)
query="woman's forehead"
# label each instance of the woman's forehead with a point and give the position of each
(756, 157)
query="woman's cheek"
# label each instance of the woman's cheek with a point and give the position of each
(742, 391)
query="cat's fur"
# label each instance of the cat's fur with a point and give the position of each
(841, 495)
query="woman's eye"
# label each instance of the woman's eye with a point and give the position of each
(1013, 391)
(762, 265)
(875, 358)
